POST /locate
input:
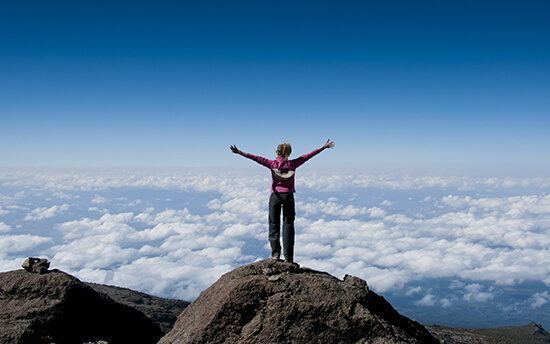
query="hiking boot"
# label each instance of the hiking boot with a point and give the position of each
(292, 262)
(275, 256)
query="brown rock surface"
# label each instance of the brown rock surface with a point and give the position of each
(531, 333)
(277, 302)
(58, 308)
(163, 312)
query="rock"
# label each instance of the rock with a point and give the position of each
(531, 333)
(163, 312)
(58, 308)
(291, 305)
(36, 265)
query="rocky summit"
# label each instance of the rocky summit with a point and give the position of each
(55, 307)
(277, 302)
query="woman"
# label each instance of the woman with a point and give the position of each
(282, 194)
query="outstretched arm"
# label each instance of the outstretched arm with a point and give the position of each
(328, 144)
(260, 160)
(235, 150)
(302, 159)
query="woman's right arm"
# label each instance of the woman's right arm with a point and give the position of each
(235, 150)
(260, 160)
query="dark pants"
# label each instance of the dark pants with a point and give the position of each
(286, 202)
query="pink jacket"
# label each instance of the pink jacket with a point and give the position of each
(282, 172)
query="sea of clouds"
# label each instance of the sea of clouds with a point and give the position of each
(428, 243)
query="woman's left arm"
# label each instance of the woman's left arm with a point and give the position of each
(302, 159)
(328, 144)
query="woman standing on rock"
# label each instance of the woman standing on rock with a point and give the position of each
(282, 194)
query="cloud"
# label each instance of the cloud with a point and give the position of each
(65, 196)
(376, 212)
(331, 208)
(204, 181)
(475, 293)
(172, 240)
(4, 228)
(539, 299)
(436, 232)
(535, 302)
(338, 181)
(96, 209)
(15, 244)
(427, 301)
(167, 216)
(44, 212)
(169, 277)
(106, 227)
(99, 200)
(412, 291)
(446, 303)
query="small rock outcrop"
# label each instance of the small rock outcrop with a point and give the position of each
(276, 302)
(163, 312)
(36, 265)
(55, 307)
(531, 333)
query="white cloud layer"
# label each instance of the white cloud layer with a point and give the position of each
(456, 228)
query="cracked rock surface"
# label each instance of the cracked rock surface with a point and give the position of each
(277, 302)
(56, 307)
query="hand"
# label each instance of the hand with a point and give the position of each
(328, 144)
(234, 149)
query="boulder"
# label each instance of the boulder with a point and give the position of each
(277, 302)
(163, 312)
(36, 265)
(55, 307)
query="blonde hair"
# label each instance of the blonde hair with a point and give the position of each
(284, 150)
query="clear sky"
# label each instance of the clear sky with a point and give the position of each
(174, 83)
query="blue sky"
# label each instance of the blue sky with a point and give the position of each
(174, 83)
